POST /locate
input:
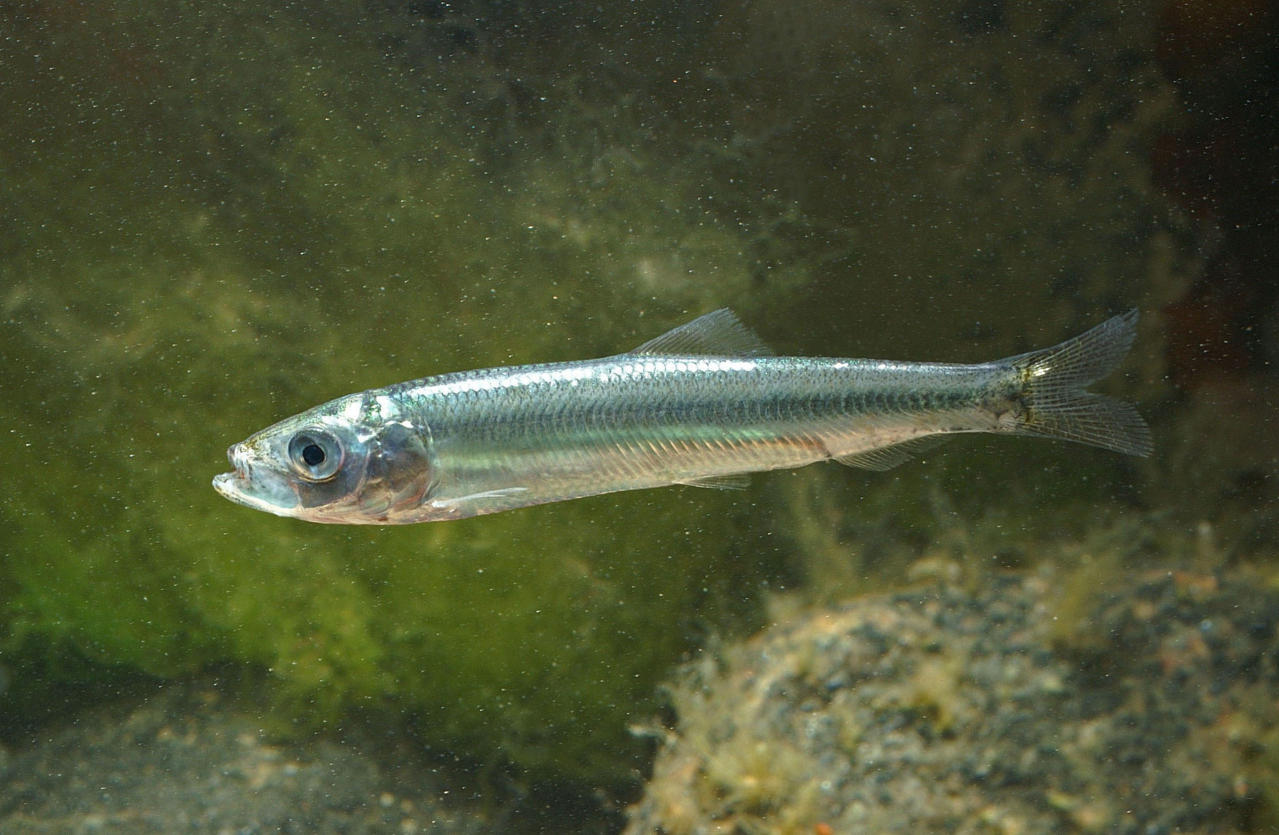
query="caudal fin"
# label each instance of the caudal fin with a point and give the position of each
(1056, 403)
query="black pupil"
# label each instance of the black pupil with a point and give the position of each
(312, 455)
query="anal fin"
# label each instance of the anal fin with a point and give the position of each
(737, 481)
(886, 457)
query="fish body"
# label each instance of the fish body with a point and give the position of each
(701, 405)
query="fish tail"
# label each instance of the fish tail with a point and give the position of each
(1055, 403)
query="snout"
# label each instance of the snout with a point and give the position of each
(233, 485)
(254, 484)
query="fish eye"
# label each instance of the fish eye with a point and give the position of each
(315, 454)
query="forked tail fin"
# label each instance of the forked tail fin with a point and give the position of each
(1056, 404)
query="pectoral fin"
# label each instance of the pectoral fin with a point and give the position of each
(475, 498)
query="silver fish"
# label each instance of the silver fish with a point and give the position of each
(702, 405)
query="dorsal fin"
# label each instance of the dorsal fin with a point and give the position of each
(718, 333)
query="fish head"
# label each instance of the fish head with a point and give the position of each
(351, 461)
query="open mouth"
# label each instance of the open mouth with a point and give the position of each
(228, 485)
(234, 485)
(254, 486)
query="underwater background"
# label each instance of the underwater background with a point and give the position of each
(215, 215)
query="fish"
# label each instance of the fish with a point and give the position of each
(701, 405)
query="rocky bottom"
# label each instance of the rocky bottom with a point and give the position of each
(939, 710)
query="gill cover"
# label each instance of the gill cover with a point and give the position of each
(399, 472)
